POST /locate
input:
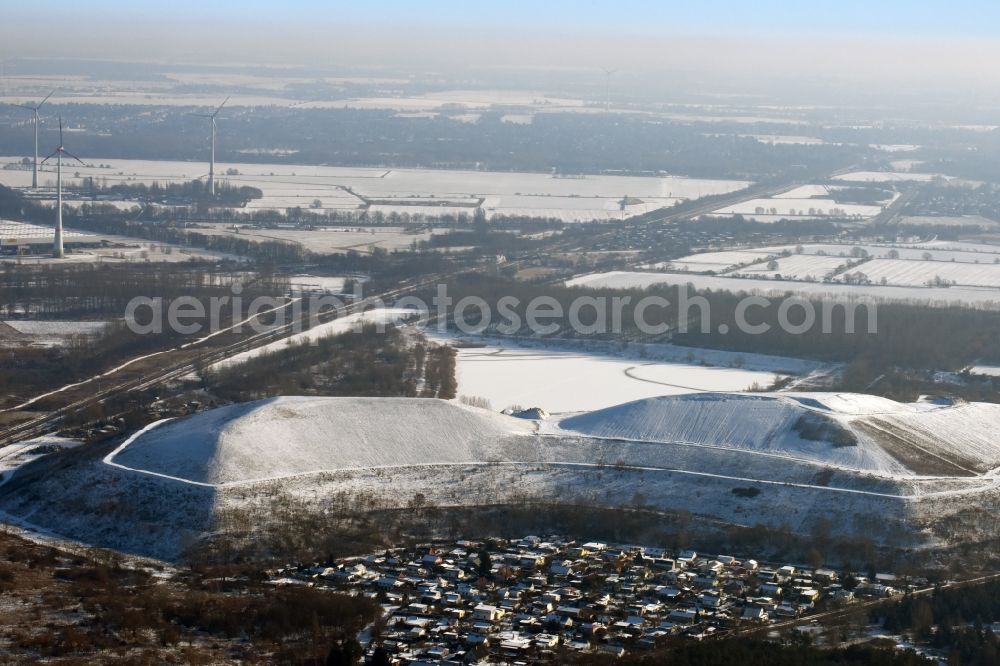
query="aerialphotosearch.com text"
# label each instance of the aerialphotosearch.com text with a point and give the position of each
(542, 315)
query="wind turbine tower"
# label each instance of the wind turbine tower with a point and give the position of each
(211, 164)
(3, 75)
(34, 115)
(57, 243)
(607, 89)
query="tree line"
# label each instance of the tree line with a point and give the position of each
(365, 362)
(951, 620)
(907, 335)
(190, 192)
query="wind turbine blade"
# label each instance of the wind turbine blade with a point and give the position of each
(45, 100)
(221, 105)
(66, 152)
(48, 158)
(60, 132)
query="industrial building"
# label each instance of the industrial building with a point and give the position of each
(21, 238)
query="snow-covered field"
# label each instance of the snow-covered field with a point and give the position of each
(572, 208)
(284, 185)
(895, 147)
(716, 262)
(919, 273)
(802, 202)
(794, 267)
(970, 253)
(786, 139)
(120, 249)
(797, 208)
(328, 240)
(723, 260)
(426, 211)
(887, 177)
(134, 251)
(907, 270)
(973, 297)
(806, 192)
(948, 221)
(567, 379)
(957, 246)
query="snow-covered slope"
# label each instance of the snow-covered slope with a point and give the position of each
(760, 423)
(900, 474)
(286, 436)
(952, 441)
(859, 432)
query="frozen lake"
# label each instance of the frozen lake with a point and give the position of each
(564, 378)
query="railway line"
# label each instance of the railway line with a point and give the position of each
(51, 420)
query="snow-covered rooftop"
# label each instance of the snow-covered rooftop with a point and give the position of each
(21, 231)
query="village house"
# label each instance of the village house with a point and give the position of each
(545, 594)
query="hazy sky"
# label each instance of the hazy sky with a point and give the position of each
(980, 18)
(935, 46)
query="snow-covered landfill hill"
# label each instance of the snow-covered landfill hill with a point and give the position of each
(858, 432)
(284, 437)
(903, 474)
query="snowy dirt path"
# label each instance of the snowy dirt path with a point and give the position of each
(629, 372)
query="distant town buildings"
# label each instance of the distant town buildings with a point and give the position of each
(531, 599)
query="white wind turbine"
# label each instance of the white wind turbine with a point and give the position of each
(57, 243)
(211, 164)
(34, 115)
(607, 88)
(3, 74)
